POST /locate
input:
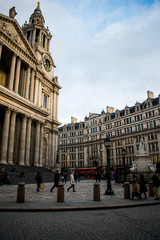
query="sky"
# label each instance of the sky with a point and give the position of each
(106, 52)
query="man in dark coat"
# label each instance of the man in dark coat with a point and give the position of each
(38, 179)
(155, 181)
(56, 180)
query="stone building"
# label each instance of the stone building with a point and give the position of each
(28, 92)
(81, 144)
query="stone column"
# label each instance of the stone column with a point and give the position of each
(11, 138)
(41, 146)
(23, 141)
(17, 75)
(37, 142)
(36, 91)
(28, 141)
(34, 35)
(54, 104)
(1, 46)
(40, 95)
(53, 148)
(51, 104)
(12, 71)
(32, 85)
(28, 82)
(49, 148)
(5, 134)
(39, 39)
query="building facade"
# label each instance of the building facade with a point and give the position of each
(28, 93)
(82, 144)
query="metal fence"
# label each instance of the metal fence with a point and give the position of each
(120, 176)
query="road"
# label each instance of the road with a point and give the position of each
(137, 223)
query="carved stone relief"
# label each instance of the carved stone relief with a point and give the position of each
(11, 32)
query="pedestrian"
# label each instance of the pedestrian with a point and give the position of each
(72, 182)
(65, 177)
(75, 176)
(134, 181)
(56, 180)
(38, 179)
(156, 182)
(79, 176)
(142, 188)
(99, 176)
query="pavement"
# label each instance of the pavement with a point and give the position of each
(82, 199)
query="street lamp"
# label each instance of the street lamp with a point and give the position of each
(124, 165)
(109, 190)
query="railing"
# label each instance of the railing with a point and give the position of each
(120, 176)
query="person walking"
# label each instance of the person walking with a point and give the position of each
(134, 181)
(142, 188)
(38, 179)
(156, 183)
(56, 180)
(72, 182)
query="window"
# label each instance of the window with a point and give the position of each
(44, 101)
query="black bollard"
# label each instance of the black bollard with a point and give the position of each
(150, 186)
(21, 192)
(126, 190)
(96, 192)
(60, 193)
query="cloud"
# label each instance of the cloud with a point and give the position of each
(106, 51)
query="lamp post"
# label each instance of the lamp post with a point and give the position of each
(109, 190)
(124, 164)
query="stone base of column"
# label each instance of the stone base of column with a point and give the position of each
(27, 164)
(36, 164)
(10, 163)
(21, 164)
(3, 162)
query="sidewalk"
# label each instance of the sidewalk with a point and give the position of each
(82, 199)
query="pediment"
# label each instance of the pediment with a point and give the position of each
(93, 115)
(11, 30)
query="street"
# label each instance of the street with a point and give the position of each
(137, 223)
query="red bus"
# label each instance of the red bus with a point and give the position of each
(87, 172)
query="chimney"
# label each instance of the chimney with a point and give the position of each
(109, 109)
(73, 120)
(150, 94)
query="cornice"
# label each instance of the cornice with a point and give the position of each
(15, 98)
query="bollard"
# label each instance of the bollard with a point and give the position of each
(96, 192)
(21, 192)
(60, 193)
(150, 188)
(126, 190)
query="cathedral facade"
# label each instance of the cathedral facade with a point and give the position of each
(28, 93)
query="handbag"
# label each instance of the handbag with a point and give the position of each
(41, 185)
